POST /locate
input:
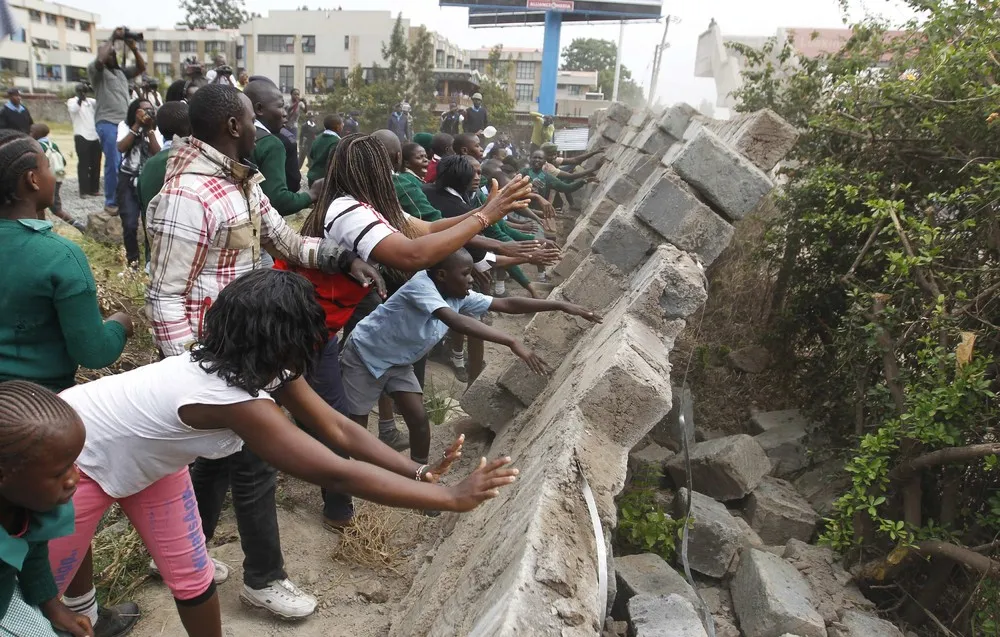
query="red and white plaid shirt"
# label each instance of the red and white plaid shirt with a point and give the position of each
(206, 227)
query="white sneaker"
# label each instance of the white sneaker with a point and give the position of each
(282, 598)
(221, 571)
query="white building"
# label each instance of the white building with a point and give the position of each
(166, 49)
(51, 48)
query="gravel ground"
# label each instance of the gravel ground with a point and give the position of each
(76, 206)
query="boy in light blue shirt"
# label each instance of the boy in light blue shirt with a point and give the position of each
(379, 354)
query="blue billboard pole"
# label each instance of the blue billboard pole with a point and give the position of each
(550, 63)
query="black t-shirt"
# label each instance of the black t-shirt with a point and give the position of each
(452, 206)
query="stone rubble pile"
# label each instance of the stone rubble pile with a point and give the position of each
(527, 562)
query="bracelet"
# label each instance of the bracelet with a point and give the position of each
(421, 472)
(482, 218)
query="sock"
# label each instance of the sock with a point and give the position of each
(458, 358)
(500, 287)
(386, 427)
(86, 604)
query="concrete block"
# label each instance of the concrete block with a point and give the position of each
(676, 119)
(715, 538)
(620, 189)
(669, 616)
(639, 118)
(671, 208)
(628, 135)
(777, 512)
(725, 468)
(833, 588)
(724, 177)
(854, 624)
(619, 112)
(668, 287)
(761, 421)
(595, 284)
(771, 598)
(669, 432)
(610, 130)
(622, 242)
(644, 166)
(486, 402)
(598, 142)
(763, 137)
(654, 141)
(787, 449)
(645, 465)
(648, 574)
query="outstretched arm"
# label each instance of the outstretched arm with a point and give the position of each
(579, 159)
(518, 305)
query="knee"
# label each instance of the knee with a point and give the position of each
(186, 597)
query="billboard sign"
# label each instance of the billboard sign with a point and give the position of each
(489, 13)
(550, 5)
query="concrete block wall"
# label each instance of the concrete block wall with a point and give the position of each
(662, 210)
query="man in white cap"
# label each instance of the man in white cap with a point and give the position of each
(476, 118)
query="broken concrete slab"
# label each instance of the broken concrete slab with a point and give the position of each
(676, 119)
(851, 623)
(672, 209)
(669, 432)
(722, 175)
(715, 539)
(649, 574)
(761, 421)
(619, 112)
(653, 140)
(787, 449)
(623, 242)
(777, 512)
(772, 598)
(833, 587)
(664, 616)
(725, 468)
(763, 137)
(646, 465)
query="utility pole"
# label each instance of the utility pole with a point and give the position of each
(658, 58)
(618, 61)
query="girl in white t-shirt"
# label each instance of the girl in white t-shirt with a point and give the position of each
(145, 426)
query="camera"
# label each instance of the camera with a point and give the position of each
(150, 83)
(127, 34)
(84, 87)
(224, 70)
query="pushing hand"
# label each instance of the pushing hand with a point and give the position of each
(535, 363)
(365, 274)
(484, 483)
(452, 454)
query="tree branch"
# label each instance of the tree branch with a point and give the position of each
(949, 455)
(966, 557)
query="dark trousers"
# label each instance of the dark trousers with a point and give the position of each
(88, 167)
(326, 381)
(127, 200)
(254, 483)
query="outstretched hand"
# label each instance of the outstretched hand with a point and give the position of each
(584, 313)
(513, 196)
(535, 363)
(484, 483)
(519, 249)
(365, 274)
(545, 256)
(453, 453)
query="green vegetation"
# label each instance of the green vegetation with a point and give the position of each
(593, 54)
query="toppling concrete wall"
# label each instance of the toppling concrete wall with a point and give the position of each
(526, 563)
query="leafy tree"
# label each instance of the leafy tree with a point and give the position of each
(496, 96)
(593, 54)
(225, 14)
(420, 78)
(395, 53)
(887, 265)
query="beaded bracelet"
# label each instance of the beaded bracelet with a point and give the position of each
(421, 472)
(482, 218)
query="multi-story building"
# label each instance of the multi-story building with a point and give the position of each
(165, 50)
(50, 49)
(315, 51)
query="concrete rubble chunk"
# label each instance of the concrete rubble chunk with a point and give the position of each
(725, 628)
(646, 465)
(676, 119)
(619, 112)
(622, 242)
(777, 512)
(648, 574)
(669, 286)
(854, 624)
(715, 539)
(611, 130)
(823, 483)
(664, 616)
(669, 432)
(832, 586)
(674, 211)
(723, 176)
(762, 421)
(725, 468)
(787, 449)
(639, 118)
(486, 402)
(763, 137)
(772, 598)
(653, 140)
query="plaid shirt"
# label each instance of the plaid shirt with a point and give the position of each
(206, 228)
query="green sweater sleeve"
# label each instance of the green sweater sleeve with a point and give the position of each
(36, 580)
(514, 234)
(270, 156)
(413, 200)
(564, 186)
(151, 179)
(91, 341)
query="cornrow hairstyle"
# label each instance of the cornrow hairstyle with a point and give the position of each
(29, 414)
(17, 156)
(265, 325)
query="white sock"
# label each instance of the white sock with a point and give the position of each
(86, 604)
(500, 287)
(458, 358)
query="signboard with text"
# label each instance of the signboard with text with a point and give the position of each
(550, 5)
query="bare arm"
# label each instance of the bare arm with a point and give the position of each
(518, 305)
(579, 159)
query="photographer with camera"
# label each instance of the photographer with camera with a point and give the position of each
(88, 145)
(149, 90)
(222, 73)
(138, 140)
(110, 76)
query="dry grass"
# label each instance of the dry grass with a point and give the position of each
(121, 563)
(735, 316)
(369, 540)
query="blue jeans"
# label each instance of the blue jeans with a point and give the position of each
(128, 211)
(108, 134)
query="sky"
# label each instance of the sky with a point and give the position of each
(676, 83)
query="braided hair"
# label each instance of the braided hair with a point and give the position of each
(29, 414)
(17, 156)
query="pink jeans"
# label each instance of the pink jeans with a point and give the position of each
(166, 516)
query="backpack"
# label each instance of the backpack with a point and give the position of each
(56, 161)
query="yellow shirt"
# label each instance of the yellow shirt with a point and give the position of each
(540, 133)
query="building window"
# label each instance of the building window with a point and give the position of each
(215, 46)
(161, 46)
(84, 26)
(70, 23)
(34, 16)
(17, 67)
(439, 58)
(309, 44)
(50, 19)
(163, 69)
(52, 72)
(347, 42)
(286, 77)
(320, 79)
(78, 47)
(42, 43)
(524, 92)
(19, 35)
(276, 43)
(478, 65)
(189, 46)
(239, 52)
(451, 61)
(76, 73)
(525, 70)
(575, 89)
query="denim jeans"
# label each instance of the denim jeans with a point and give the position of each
(254, 483)
(128, 211)
(108, 134)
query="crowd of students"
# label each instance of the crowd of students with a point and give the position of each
(403, 249)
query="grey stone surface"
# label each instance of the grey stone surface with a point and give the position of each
(653, 140)
(646, 465)
(822, 484)
(622, 242)
(762, 421)
(772, 598)
(643, 167)
(664, 616)
(489, 404)
(669, 432)
(648, 574)
(854, 624)
(639, 118)
(777, 512)
(676, 119)
(104, 228)
(763, 137)
(832, 586)
(595, 283)
(724, 628)
(725, 468)
(619, 112)
(672, 209)
(787, 449)
(621, 190)
(611, 130)
(723, 176)
(715, 539)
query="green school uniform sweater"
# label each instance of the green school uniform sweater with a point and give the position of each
(410, 192)
(551, 183)
(51, 322)
(269, 156)
(319, 155)
(154, 173)
(24, 561)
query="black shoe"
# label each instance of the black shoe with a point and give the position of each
(461, 374)
(116, 621)
(398, 440)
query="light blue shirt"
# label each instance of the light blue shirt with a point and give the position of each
(403, 329)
